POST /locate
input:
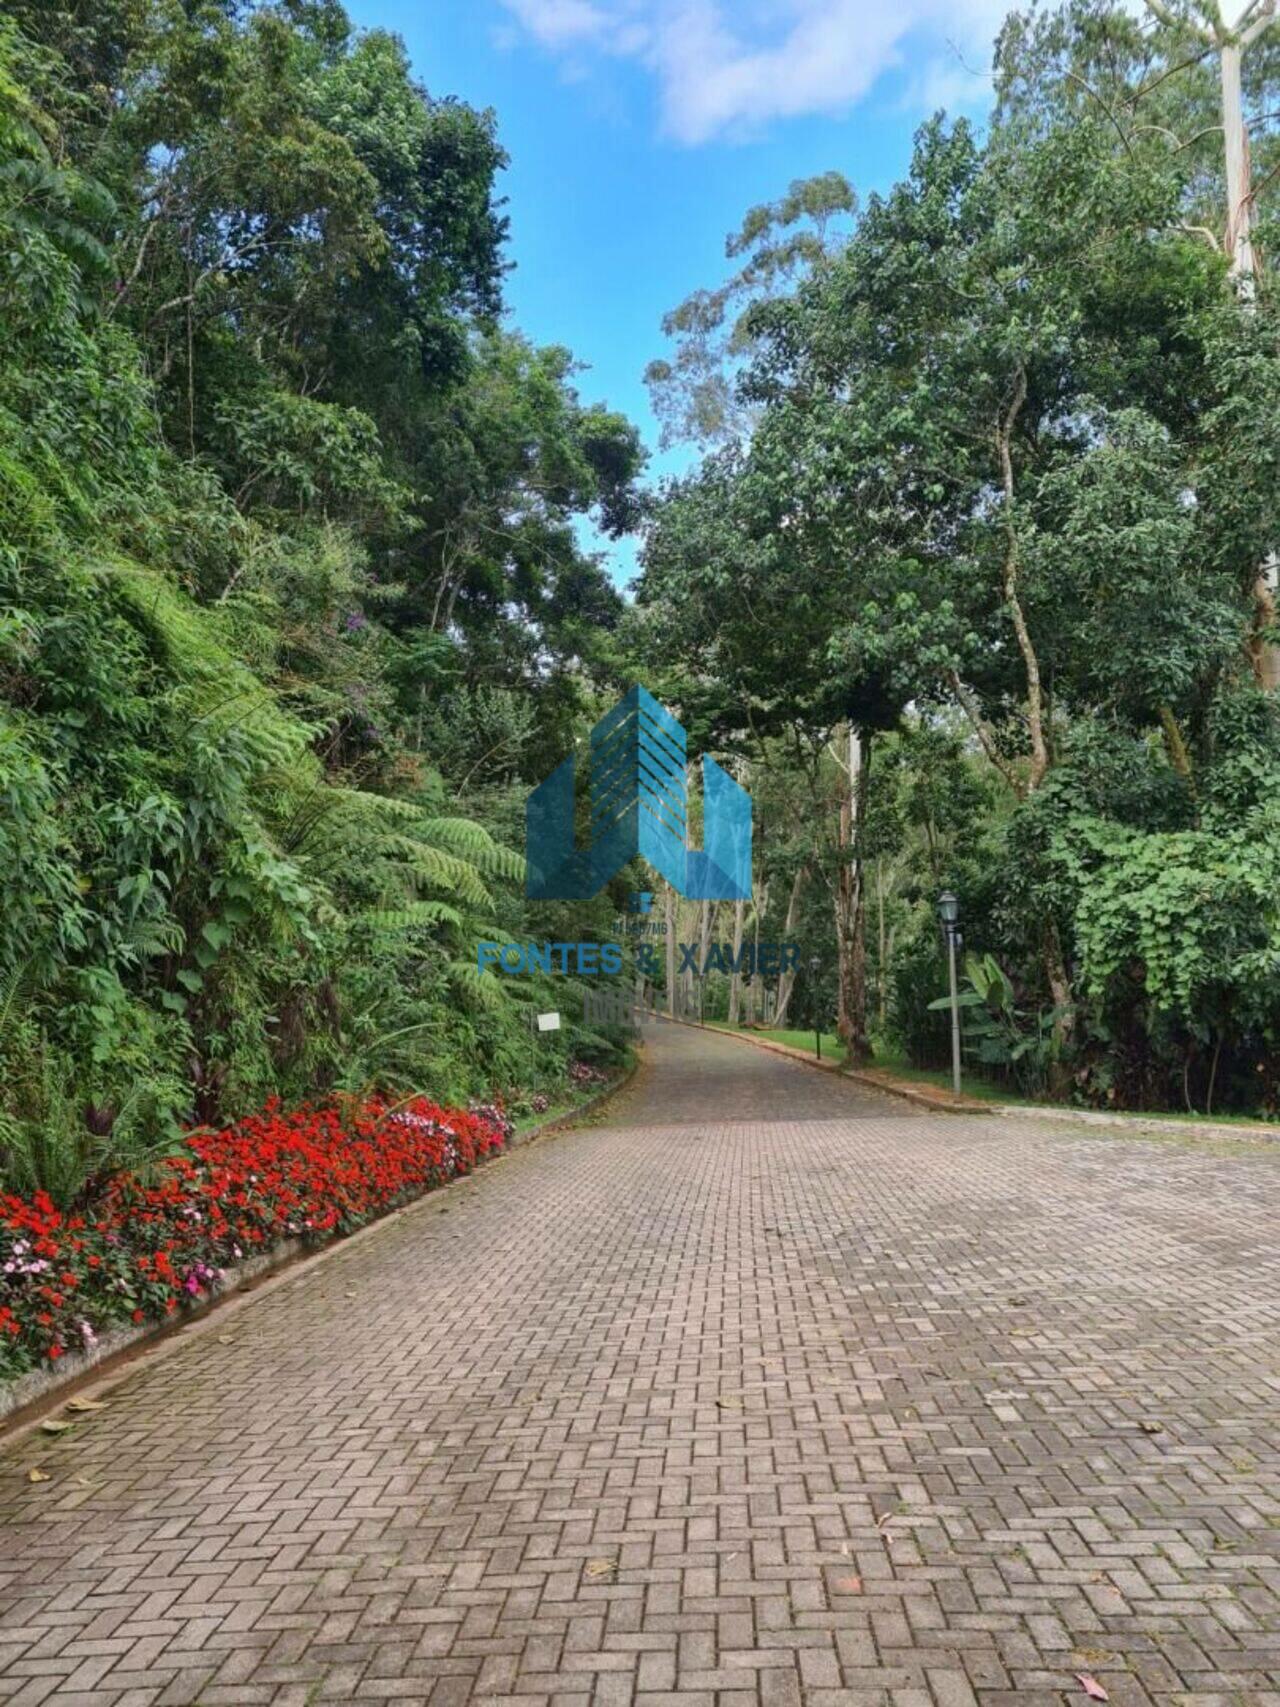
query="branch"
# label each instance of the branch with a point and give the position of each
(1170, 71)
(982, 730)
(1158, 10)
(1264, 19)
(1210, 237)
(132, 279)
(1180, 145)
(1031, 663)
(1090, 90)
(220, 265)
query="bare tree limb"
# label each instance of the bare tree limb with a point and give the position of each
(1210, 237)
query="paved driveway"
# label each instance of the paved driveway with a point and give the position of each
(764, 1391)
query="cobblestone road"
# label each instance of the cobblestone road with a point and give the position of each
(765, 1391)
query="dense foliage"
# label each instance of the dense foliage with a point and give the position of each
(974, 583)
(289, 527)
(985, 550)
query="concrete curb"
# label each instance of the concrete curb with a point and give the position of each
(1148, 1123)
(24, 1402)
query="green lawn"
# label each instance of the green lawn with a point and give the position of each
(890, 1060)
(832, 1047)
(981, 1089)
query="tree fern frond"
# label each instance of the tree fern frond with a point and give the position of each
(469, 982)
(409, 917)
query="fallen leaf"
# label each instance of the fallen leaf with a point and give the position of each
(56, 1425)
(39, 1476)
(1092, 1688)
(86, 1404)
(1148, 1425)
(849, 1585)
(601, 1567)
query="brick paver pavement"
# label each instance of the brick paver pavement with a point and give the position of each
(763, 1392)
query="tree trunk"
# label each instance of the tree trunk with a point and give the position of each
(787, 979)
(1012, 596)
(669, 917)
(756, 988)
(735, 982)
(689, 978)
(850, 903)
(1235, 136)
(709, 911)
(1238, 243)
(1055, 967)
(1266, 607)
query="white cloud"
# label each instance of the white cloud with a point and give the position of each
(561, 23)
(727, 67)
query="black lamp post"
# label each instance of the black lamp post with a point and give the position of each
(815, 966)
(949, 914)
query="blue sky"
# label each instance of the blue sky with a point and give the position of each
(641, 130)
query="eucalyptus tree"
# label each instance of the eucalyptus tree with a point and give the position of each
(694, 392)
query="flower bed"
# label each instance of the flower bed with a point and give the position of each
(144, 1246)
(586, 1077)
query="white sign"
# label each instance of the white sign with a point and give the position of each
(548, 1022)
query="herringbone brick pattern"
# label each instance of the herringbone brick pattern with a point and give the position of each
(764, 1392)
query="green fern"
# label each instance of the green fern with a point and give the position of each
(413, 916)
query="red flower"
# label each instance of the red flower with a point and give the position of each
(303, 1173)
